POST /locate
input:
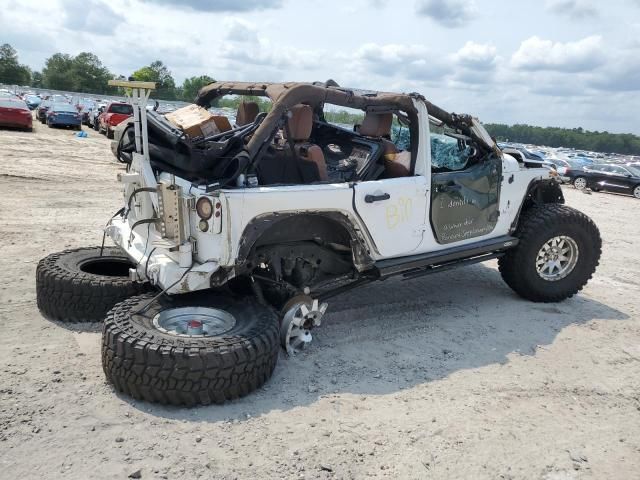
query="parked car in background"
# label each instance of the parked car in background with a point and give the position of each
(566, 168)
(610, 178)
(113, 114)
(15, 113)
(95, 112)
(41, 111)
(63, 115)
(84, 105)
(32, 101)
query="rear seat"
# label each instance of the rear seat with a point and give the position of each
(247, 113)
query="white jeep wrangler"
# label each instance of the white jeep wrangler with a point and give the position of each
(239, 238)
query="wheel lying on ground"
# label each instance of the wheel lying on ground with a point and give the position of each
(80, 285)
(189, 349)
(558, 252)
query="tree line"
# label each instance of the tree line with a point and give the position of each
(605, 142)
(85, 73)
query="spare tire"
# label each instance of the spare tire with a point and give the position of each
(190, 349)
(82, 286)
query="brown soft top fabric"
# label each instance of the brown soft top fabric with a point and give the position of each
(286, 95)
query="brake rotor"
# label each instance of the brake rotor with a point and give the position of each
(301, 315)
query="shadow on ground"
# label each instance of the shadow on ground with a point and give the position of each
(394, 335)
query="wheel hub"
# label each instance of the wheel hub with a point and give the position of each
(298, 321)
(194, 321)
(557, 258)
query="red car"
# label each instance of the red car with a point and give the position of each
(15, 113)
(112, 115)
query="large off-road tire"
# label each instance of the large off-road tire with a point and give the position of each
(82, 286)
(147, 357)
(558, 251)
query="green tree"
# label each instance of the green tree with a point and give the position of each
(57, 72)
(157, 72)
(11, 72)
(36, 79)
(623, 143)
(191, 86)
(88, 74)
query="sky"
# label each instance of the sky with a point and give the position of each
(564, 63)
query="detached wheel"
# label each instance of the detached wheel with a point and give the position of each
(580, 183)
(189, 349)
(81, 286)
(558, 252)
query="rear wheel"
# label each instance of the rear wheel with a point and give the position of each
(108, 132)
(81, 285)
(636, 191)
(558, 251)
(189, 349)
(580, 183)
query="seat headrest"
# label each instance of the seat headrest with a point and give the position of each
(300, 122)
(376, 124)
(247, 113)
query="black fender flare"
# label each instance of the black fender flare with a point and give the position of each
(539, 192)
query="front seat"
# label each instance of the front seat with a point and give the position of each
(378, 126)
(300, 124)
(247, 113)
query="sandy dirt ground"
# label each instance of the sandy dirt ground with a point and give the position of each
(444, 377)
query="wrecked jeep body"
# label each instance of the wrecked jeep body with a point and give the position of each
(343, 225)
(244, 235)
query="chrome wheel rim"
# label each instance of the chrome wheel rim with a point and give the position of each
(557, 258)
(580, 183)
(194, 321)
(636, 192)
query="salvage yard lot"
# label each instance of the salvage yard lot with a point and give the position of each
(449, 376)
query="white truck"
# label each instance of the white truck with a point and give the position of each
(229, 246)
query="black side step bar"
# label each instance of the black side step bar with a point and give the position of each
(419, 264)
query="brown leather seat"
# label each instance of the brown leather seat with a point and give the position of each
(378, 126)
(300, 124)
(247, 113)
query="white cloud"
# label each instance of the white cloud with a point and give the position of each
(91, 16)
(239, 30)
(572, 8)
(448, 13)
(538, 54)
(414, 62)
(476, 56)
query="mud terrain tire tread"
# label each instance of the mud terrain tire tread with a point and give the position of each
(64, 292)
(536, 226)
(147, 364)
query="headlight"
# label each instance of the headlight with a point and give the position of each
(204, 207)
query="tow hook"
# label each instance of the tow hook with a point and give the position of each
(301, 315)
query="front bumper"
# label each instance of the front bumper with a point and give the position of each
(156, 261)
